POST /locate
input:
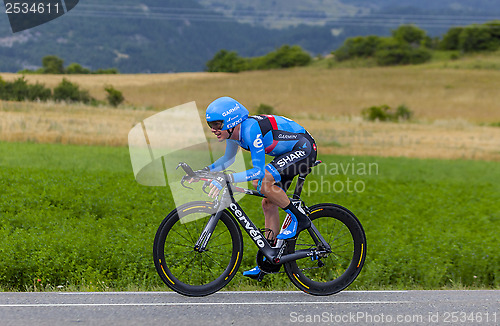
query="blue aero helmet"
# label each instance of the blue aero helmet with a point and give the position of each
(225, 113)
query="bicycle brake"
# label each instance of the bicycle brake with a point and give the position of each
(184, 178)
(205, 185)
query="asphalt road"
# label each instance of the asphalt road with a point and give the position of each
(252, 308)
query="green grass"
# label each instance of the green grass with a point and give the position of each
(73, 218)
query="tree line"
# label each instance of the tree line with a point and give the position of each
(284, 57)
(408, 44)
(65, 91)
(52, 64)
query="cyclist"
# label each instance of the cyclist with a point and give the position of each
(294, 151)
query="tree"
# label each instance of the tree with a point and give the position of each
(226, 61)
(286, 57)
(451, 40)
(409, 34)
(477, 38)
(52, 65)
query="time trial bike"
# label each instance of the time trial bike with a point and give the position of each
(198, 247)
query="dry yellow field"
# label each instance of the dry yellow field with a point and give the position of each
(448, 105)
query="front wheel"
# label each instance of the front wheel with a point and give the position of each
(331, 272)
(183, 268)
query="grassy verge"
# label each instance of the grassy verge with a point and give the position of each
(73, 218)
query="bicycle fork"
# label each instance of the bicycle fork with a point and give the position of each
(209, 228)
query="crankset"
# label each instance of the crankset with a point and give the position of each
(265, 265)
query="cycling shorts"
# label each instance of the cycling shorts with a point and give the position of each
(298, 161)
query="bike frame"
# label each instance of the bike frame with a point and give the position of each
(275, 255)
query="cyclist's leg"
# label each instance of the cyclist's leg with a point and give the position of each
(278, 196)
(271, 190)
(272, 219)
(271, 214)
(283, 169)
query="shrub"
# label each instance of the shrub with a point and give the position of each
(393, 52)
(2, 88)
(114, 96)
(357, 47)
(384, 113)
(403, 113)
(108, 71)
(38, 92)
(418, 56)
(20, 90)
(376, 113)
(70, 92)
(75, 68)
(16, 90)
(265, 109)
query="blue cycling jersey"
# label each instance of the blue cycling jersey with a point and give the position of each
(264, 134)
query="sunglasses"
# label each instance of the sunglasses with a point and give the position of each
(217, 125)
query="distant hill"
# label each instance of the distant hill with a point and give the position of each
(286, 13)
(145, 36)
(182, 35)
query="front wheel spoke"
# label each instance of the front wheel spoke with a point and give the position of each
(171, 244)
(215, 236)
(181, 260)
(189, 233)
(203, 261)
(218, 246)
(210, 269)
(221, 254)
(183, 236)
(189, 263)
(179, 252)
(215, 261)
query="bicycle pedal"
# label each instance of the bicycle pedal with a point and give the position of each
(320, 263)
(261, 276)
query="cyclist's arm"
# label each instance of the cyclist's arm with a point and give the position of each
(253, 137)
(229, 157)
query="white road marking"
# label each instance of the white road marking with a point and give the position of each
(23, 305)
(221, 292)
